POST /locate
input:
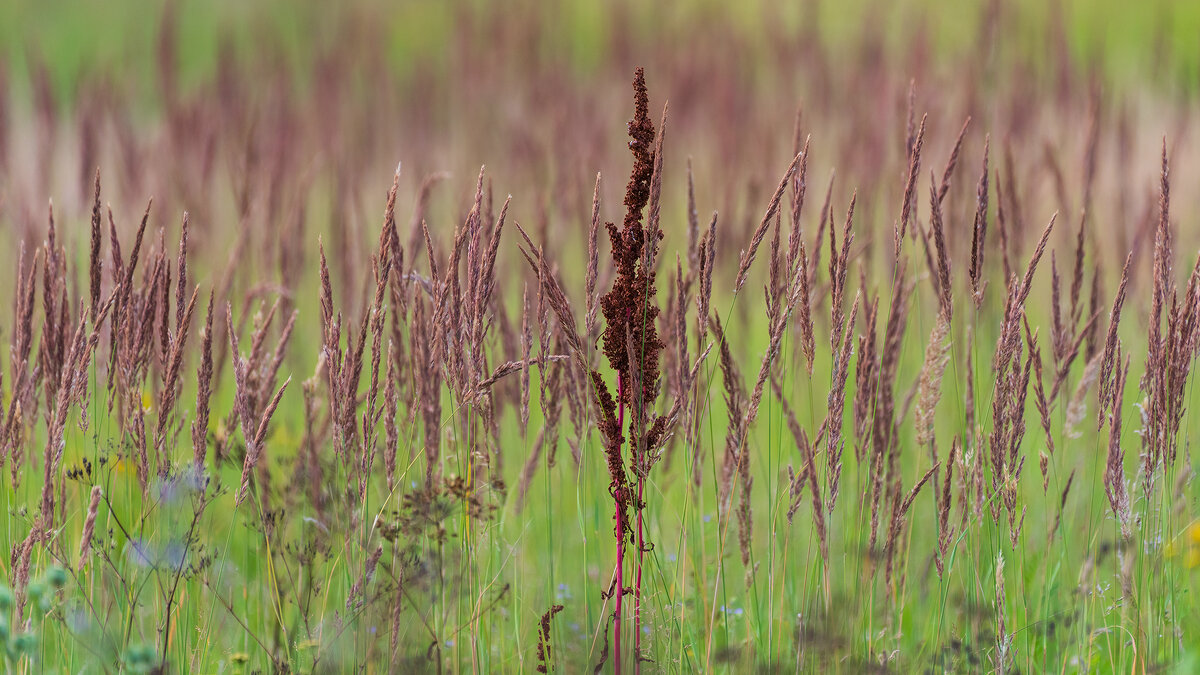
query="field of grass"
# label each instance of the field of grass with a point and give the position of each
(853, 338)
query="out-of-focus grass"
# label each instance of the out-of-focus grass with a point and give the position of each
(559, 550)
(1124, 42)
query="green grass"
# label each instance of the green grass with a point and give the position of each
(474, 589)
(558, 549)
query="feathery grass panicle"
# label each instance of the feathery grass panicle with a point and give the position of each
(181, 283)
(526, 350)
(203, 392)
(952, 162)
(899, 510)
(680, 333)
(808, 453)
(1062, 505)
(929, 388)
(171, 386)
(747, 257)
(884, 443)
(735, 404)
(945, 292)
(1164, 369)
(910, 186)
(1027, 281)
(1003, 638)
(254, 448)
(22, 341)
(796, 481)
(653, 232)
(1077, 406)
(131, 266)
(866, 379)
(1091, 332)
(1162, 270)
(95, 264)
(593, 265)
(1114, 470)
(89, 528)
(836, 404)
(774, 290)
(839, 265)
(66, 395)
(255, 437)
(556, 297)
(1076, 308)
(1060, 337)
(805, 317)
(937, 350)
(391, 404)
(945, 530)
(1042, 403)
(707, 256)
(1071, 351)
(21, 558)
(979, 230)
(824, 219)
(798, 192)
(552, 392)
(353, 599)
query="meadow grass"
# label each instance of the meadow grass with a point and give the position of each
(309, 414)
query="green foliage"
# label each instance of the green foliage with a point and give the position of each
(20, 642)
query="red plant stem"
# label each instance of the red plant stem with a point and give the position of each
(620, 537)
(637, 589)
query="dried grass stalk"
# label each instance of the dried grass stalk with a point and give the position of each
(929, 391)
(89, 527)
(747, 257)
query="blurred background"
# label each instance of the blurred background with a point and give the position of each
(278, 99)
(1150, 42)
(278, 124)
